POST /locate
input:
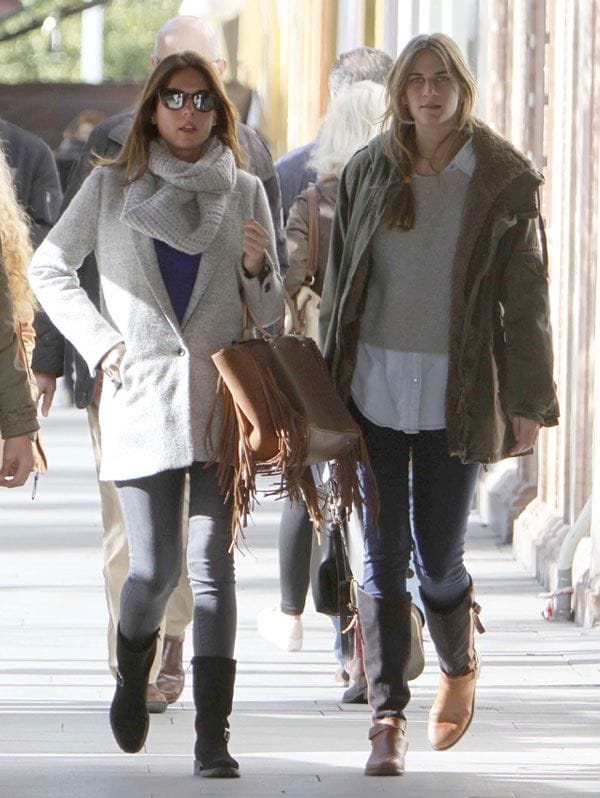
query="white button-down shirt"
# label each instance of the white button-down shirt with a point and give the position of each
(405, 390)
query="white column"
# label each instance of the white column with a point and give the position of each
(595, 558)
(436, 15)
(390, 27)
(408, 22)
(349, 25)
(92, 45)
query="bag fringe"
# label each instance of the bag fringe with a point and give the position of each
(237, 467)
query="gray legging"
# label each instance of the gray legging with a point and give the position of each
(295, 545)
(152, 509)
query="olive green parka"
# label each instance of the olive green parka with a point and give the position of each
(500, 343)
(17, 409)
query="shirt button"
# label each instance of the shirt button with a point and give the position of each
(181, 351)
(415, 379)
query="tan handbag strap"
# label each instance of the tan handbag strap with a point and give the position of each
(250, 322)
(312, 262)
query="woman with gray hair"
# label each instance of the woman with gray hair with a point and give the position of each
(353, 119)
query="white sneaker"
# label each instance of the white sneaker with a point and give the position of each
(282, 630)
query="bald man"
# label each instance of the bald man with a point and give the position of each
(166, 679)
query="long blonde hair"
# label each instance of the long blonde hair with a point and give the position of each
(400, 145)
(15, 246)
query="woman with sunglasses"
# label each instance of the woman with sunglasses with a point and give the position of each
(182, 237)
(435, 322)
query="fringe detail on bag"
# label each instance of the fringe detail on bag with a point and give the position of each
(238, 468)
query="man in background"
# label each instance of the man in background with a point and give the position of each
(37, 184)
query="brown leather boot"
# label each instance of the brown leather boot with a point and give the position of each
(452, 711)
(156, 703)
(388, 748)
(453, 634)
(385, 629)
(357, 692)
(171, 678)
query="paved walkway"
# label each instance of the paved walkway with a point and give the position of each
(536, 731)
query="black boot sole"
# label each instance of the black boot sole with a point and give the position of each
(218, 772)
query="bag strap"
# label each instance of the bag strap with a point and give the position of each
(312, 262)
(346, 611)
(250, 322)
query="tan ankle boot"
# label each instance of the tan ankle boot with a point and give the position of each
(388, 748)
(453, 634)
(452, 711)
(171, 678)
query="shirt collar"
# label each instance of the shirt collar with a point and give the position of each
(464, 159)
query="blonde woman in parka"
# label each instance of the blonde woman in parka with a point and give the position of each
(435, 323)
(15, 254)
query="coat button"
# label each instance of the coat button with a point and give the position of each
(181, 351)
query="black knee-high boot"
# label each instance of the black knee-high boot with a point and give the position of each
(385, 629)
(128, 712)
(214, 679)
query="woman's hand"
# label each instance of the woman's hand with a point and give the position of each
(255, 245)
(111, 364)
(17, 461)
(525, 431)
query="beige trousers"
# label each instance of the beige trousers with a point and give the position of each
(116, 565)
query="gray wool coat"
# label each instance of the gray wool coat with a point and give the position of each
(158, 419)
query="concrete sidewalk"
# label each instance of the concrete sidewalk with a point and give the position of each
(536, 731)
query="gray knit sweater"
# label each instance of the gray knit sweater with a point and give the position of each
(408, 300)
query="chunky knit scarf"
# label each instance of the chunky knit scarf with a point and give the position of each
(178, 202)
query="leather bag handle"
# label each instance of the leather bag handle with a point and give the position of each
(312, 262)
(250, 321)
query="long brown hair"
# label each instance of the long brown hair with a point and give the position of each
(136, 149)
(399, 144)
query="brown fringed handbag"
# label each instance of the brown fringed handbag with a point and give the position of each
(282, 414)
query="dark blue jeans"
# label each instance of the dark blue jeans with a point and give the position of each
(425, 497)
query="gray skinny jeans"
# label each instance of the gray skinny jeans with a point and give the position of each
(152, 508)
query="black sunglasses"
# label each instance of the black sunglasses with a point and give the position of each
(203, 100)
